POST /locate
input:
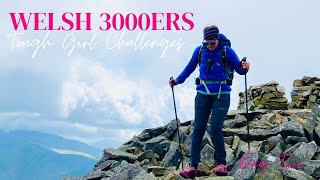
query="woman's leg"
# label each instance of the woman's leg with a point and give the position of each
(220, 109)
(202, 111)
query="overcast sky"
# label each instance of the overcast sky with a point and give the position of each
(104, 96)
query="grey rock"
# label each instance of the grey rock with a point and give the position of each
(207, 139)
(128, 172)
(270, 143)
(144, 175)
(228, 140)
(238, 121)
(242, 168)
(251, 106)
(147, 155)
(115, 165)
(309, 128)
(230, 158)
(171, 128)
(272, 83)
(295, 139)
(97, 175)
(118, 166)
(203, 169)
(316, 110)
(187, 146)
(132, 150)
(124, 148)
(243, 149)
(313, 98)
(309, 80)
(278, 149)
(289, 128)
(312, 167)
(317, 130)
(185, 129)
(131, 140)
(304, 152)
(277, 103)
(162, 148)
(172, 176)
(137, 144)
(235, 142)
(144, 136)
(302, 113)
(104, 166)
(159, 145)
(268, 168)
(156, 170)
(267, 89)
(233, 113)
(317, 156)
(207, 155)
(302, 88)
(295, 174)
(173, 156)
(145, 162)
(291, 149)
(154, 132)
(298, 83)
(112, 154)
(297, 119)
(182, 138)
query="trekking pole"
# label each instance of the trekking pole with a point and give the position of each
(175, 111)
(246, 101)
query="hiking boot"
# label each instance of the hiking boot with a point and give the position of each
(221, 170)
(190, 172)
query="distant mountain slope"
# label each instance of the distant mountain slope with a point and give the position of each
(23, 159)
(57, 142)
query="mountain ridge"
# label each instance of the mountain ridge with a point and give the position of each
(28, 159)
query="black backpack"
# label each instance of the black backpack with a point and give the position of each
(229, 70)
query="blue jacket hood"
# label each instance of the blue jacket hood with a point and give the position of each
(224, 41)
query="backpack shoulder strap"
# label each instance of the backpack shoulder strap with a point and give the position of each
(200, 55)
(224, 56)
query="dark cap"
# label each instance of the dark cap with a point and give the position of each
(210, 33)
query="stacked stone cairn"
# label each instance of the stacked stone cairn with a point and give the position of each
(305, 93)
(264, 96)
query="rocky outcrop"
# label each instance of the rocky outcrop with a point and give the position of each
(280, 148)
(284, 143)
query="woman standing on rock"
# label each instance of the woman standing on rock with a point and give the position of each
(216, 60)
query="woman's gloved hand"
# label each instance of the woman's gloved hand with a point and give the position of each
(172, 82)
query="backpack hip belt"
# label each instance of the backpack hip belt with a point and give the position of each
(205, 82)
(215, 82)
